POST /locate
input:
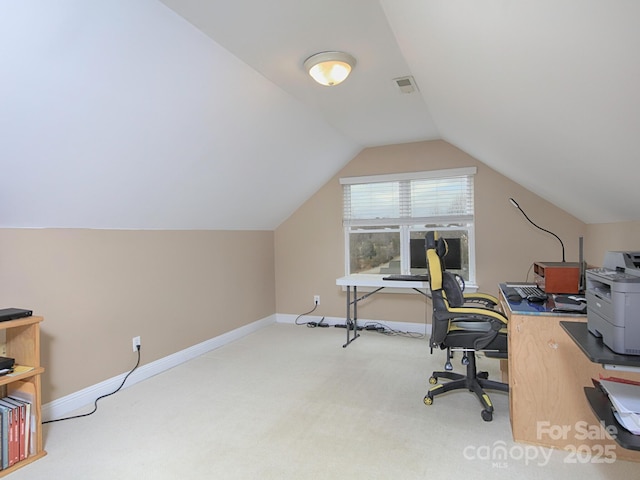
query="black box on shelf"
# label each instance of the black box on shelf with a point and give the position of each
(6, 363)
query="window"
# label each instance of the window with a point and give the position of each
(386, 218)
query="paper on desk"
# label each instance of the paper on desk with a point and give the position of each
(630, 421)
(625, 399)
(624, 396)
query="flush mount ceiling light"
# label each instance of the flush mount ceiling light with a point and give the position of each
(329, 68)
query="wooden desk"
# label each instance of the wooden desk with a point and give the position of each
(547, 375)
(598, 352)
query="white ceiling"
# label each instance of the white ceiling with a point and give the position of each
(129, 114)
(544, 91)
(278, 35)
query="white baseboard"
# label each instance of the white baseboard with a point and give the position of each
(420, 328)
(63, 406)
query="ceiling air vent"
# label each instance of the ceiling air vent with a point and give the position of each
(406, 84)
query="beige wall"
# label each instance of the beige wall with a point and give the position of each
(99, 288)
(309, 246)
(610, 236)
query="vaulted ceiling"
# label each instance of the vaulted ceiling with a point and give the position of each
(197, 114)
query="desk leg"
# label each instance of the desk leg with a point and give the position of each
(351, 323)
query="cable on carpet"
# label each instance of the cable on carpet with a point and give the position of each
(311, 324)
(95, 403)
(386, 330)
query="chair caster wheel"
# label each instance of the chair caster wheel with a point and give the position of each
(487, 415)
(428, 400)
(465, 360)
(484, 375)
(448, 367)
(433, 380)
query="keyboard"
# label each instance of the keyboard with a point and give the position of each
(527, 291)
(423, 277)
(513, 291)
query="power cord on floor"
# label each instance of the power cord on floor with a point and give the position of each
(311, 324)
(386, 330)
(95, 404)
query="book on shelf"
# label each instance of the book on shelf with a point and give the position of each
(16, 423)
(26, 392)
(5, 432)
(11, 435)
(21, 412)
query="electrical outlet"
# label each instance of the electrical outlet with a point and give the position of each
(316, 299)
(136, 343)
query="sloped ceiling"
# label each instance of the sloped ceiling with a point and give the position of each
(544, 91)
(120, 114)
(197, 113)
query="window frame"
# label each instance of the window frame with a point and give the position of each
(464, 221)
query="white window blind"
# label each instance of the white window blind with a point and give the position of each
(438, 197)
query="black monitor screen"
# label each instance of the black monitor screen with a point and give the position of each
(418, 253)
(452, 260)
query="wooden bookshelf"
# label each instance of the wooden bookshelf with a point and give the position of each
(22, 343)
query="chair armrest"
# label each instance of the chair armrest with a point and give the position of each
(482, 298)
(479, 314)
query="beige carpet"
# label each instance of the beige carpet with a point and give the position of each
(288, 402)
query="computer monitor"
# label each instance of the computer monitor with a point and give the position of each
(418, 251)
(452, 259)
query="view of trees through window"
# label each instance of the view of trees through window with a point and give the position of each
(386, 218)
(374, 251)
(378, 251)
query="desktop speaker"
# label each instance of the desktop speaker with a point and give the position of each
(557, 277)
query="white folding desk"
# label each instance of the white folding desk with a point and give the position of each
(377, 282)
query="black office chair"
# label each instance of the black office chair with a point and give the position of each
(465, 322)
